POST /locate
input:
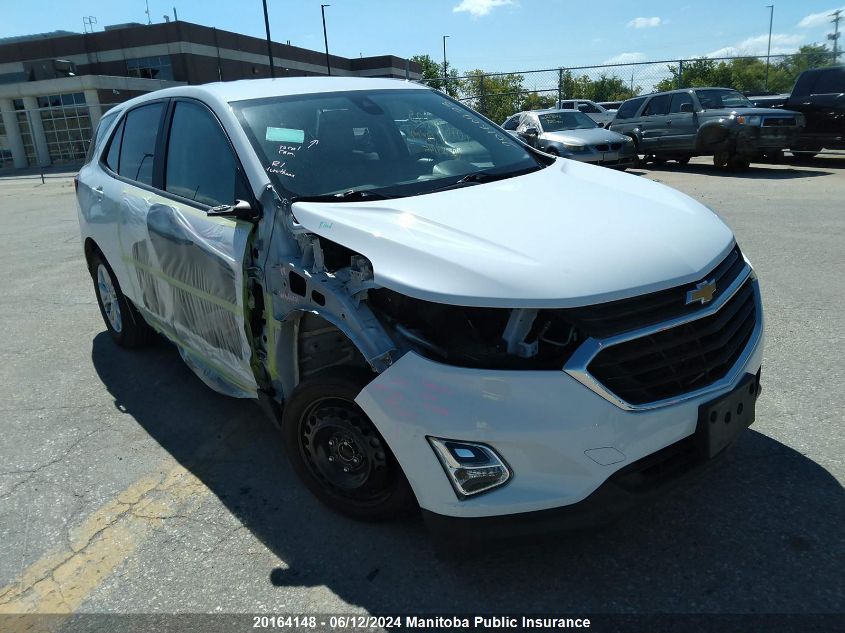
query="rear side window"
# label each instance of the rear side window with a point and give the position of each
(200, 163)
(658, 105)
(628, 109)
(830, 81)
(588, 108)
(112, 158)
(102, 126)
(137, 149)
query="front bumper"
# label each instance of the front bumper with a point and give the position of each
(630, 486)
(751, 140)
(561, 440)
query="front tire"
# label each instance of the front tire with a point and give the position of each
(337, 451)
(124, 323)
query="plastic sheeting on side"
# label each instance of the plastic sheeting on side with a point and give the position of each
(186, 275)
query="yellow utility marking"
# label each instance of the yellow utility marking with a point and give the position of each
(62, 579)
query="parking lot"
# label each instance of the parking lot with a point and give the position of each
(126, 485)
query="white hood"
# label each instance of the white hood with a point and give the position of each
(568, 235)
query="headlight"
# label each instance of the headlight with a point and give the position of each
(574, 148)
(754, 119)
(472, 468)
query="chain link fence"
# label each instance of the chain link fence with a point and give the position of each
(498, 95)
(59, 130)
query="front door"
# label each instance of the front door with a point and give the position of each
(188, 267)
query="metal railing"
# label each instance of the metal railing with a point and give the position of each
(498, 95)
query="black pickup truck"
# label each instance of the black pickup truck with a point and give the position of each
(818, 94)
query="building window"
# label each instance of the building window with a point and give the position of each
(26, 133)
(5, 152)
(155, 67)
(67, 126)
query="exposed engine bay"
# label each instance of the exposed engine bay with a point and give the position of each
(490, 338)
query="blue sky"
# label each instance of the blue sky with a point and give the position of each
(488, 34)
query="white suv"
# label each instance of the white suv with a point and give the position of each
(508, 341)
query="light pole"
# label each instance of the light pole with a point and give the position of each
(771, 9)
(326, 38)
(269, 41)
(445, 74)
(837, 16)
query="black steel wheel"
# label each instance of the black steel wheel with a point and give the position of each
(337, 451)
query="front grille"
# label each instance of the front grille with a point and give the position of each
(615, 317)
(778, 121)
(616, 146)
(602, 148)
(681, 359)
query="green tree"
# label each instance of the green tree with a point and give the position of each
(746, 74)
(537, 101)
(605, 88)
(432, 75)
(495, 96)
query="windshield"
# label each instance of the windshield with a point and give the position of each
(557, 121)
(715, 98)
(394, 142)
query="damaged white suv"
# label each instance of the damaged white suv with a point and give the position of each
(453, 321)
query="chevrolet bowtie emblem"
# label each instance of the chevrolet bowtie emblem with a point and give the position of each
(703, 292)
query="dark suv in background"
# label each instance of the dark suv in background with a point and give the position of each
(718, 122)
(819, 95)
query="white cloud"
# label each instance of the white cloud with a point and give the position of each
(782, 43)
(817, 19)
(645, 23)
(478, 8)
(626, 58)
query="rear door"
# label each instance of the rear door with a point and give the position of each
(188, 266)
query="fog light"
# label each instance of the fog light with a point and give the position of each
(472, 468)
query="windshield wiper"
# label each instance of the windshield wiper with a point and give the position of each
(478, 177)
(350, 195)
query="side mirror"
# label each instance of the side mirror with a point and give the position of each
(241, 210)
(686, 107)
(531, 131)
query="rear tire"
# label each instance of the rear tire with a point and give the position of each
(124, 323)
(337, 451)
(684, 160)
